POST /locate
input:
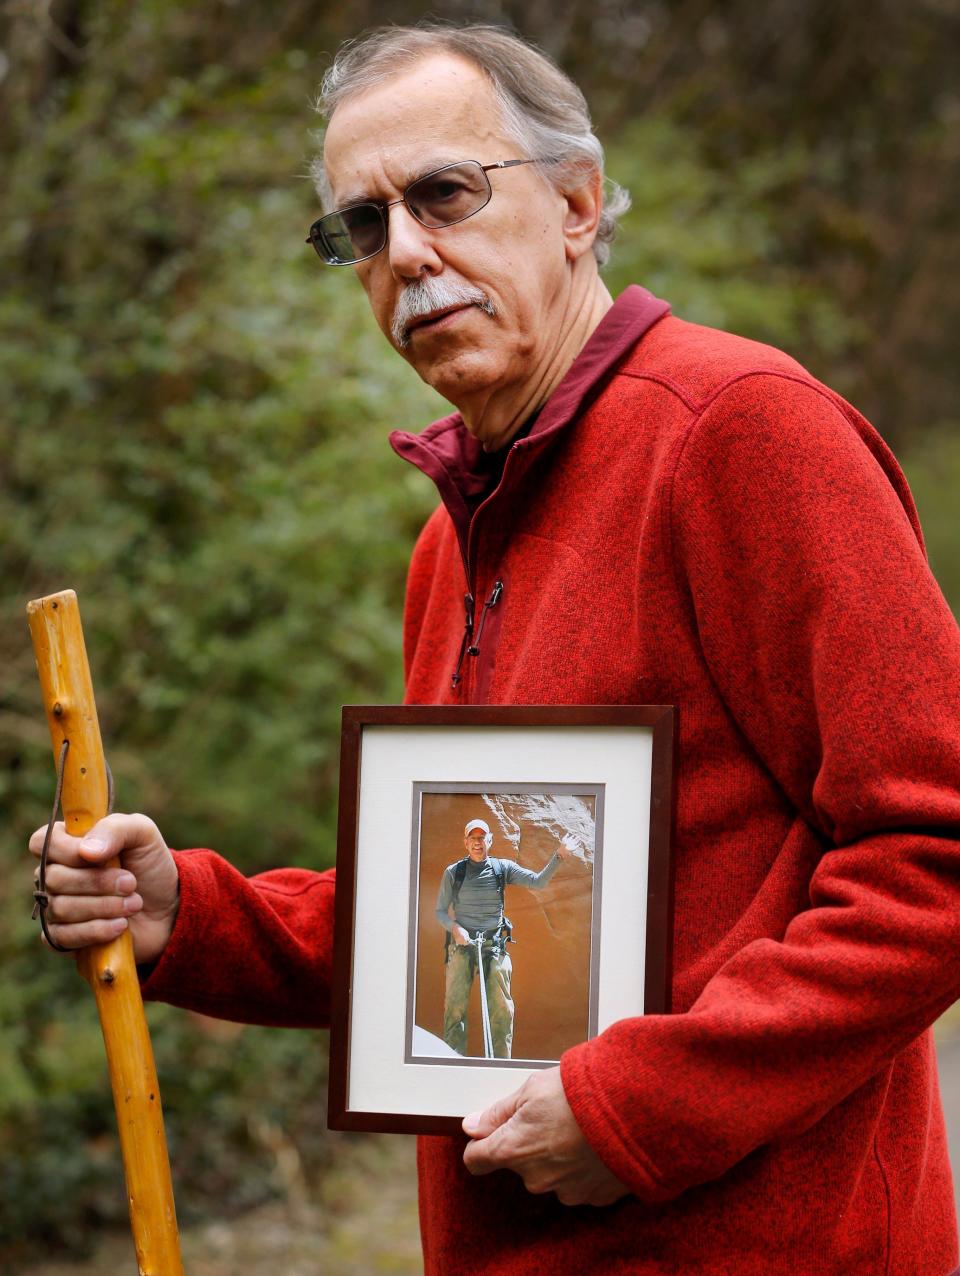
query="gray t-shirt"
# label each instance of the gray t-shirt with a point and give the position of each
(478, 905)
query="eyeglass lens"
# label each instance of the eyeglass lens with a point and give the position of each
(449, 195)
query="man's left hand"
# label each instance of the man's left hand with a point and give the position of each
(533, 1132)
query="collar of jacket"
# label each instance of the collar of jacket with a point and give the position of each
(449, 454)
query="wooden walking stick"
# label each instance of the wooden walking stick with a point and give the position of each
(109, 968)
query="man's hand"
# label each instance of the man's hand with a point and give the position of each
(91, 904)
(460, 936)
(533, 1132)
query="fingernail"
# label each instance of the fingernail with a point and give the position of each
(132, 903)
(471, 1122)
(93, 844)
(125, 882)
(119, 925)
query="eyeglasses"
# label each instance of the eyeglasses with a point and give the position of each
(441, 198)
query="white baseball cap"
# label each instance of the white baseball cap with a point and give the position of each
(476, 824)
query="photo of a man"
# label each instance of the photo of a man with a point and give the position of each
(504, 938)
(470, 906)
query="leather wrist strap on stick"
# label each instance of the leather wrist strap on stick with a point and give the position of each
(40, 897)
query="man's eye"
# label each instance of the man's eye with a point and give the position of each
(361, 218)
(436, 192)
(448, 196)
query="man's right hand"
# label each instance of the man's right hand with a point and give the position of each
(91, 904)
(460, 935)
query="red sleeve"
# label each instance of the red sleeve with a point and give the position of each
(833, 649)
(255, 950)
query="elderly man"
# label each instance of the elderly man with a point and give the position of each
(470, 909)
(637, 510)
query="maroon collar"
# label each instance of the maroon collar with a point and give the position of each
(450, 455)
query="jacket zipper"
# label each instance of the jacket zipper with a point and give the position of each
(474, 648)
(470, 645)
(468, 606)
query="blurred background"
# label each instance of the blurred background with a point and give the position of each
(193, 415)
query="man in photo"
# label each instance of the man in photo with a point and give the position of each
(470, 908)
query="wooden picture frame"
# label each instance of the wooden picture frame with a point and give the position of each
(578, 806)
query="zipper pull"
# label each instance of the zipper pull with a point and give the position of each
(474, 648)
(468, 606)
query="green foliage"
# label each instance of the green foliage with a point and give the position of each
(194, 438)
(229, 512)
(711, 240)
(192, 435)
(933, 468)
(233, 1097)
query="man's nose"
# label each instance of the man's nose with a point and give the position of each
(410, 246)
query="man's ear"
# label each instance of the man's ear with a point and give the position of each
(582, 216)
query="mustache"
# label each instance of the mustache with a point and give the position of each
(428, 294)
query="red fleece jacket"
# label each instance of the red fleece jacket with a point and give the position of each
(695, 520)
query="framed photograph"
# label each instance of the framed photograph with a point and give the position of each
(503, 893)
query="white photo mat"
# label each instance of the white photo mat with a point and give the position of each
(392, 759)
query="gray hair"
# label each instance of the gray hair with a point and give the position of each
(543, 110)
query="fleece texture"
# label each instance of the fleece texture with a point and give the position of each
(695, 520)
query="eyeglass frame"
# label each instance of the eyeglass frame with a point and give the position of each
(383, 206)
